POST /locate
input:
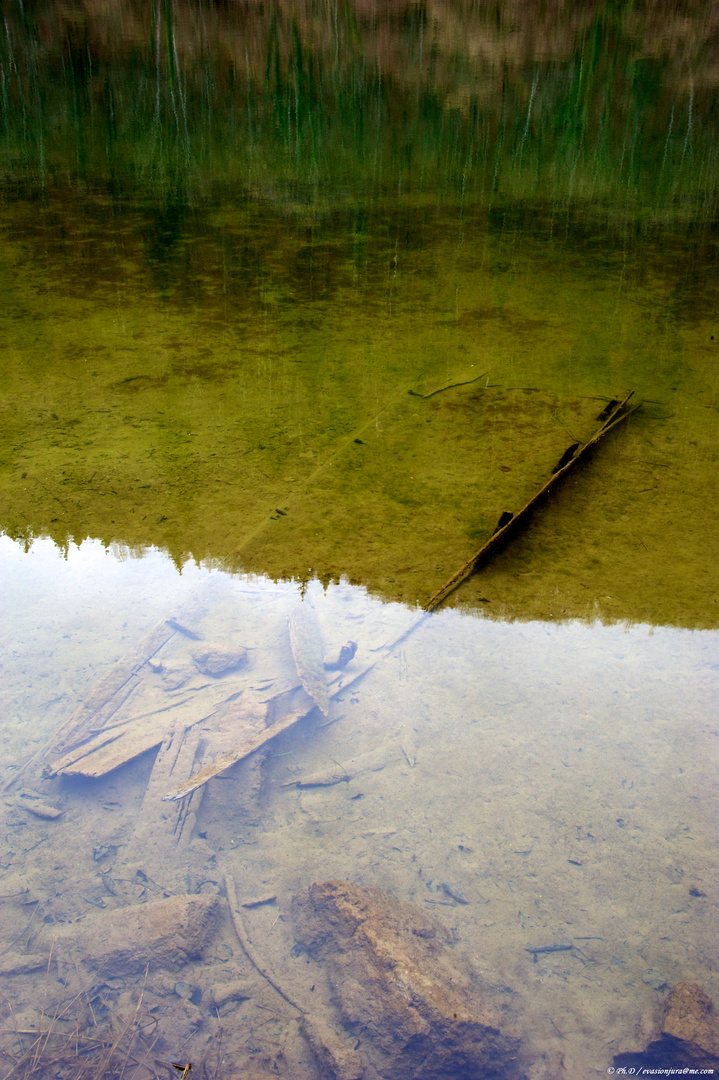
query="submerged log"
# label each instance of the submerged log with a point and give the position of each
(501, 535)
(164, 933)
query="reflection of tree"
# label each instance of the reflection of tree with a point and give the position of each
(557, 101)
(163, 237)
(404, 38)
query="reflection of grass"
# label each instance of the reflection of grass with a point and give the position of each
(309, 113)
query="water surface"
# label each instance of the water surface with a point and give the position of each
(296, 301)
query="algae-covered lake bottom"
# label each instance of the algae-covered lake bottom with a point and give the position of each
(528, 783)
(360, 391)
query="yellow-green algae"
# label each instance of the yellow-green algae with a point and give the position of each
(189, 414)
(233, 240)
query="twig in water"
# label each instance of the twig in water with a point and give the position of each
(247, 945)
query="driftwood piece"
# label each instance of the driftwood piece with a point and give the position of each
(114, 688)
(119, 744)
(306, 641)
(255, 735)
(159, 829)
(501, 535)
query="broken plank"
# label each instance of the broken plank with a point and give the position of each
(113, 689)
(117, 745)
(160, 829)
(256, 736)
(133, 737)
(127, 744)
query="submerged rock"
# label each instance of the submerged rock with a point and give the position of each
(400, 989)
(162, 933)
(688, 1037)
(22, 963)
(216, 661)
(176, 676)
(234, 990)
(335, 1053)
(691, 1017)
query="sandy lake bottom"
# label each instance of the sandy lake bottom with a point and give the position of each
(526, 784)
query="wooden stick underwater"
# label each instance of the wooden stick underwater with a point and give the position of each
(500, 536)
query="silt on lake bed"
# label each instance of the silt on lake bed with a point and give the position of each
(302, 303)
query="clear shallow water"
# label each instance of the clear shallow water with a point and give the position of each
(558, 777)
(311, 296)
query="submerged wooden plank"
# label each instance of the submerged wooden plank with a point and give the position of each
(252, 716)
(306, 642)
(115, 747)
(113, 689)
(128, 743)
(117, 744)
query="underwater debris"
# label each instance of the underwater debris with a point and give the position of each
(347, 653)
(306, 642)
(38, 809)
(113, 689)
(500, 536)
(257, 733)
(541, 949)
(324, 778)
(247, 946)
(112, 1047)
(399, 986)
(453, 892)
